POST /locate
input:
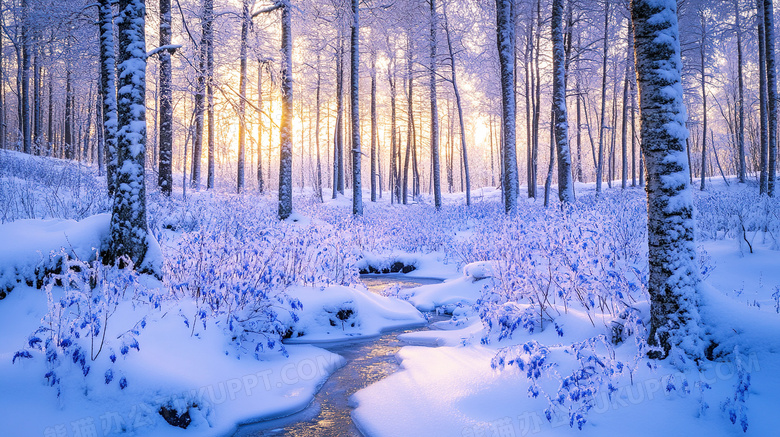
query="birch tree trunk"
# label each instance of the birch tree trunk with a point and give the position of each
(208, 37)
(600, 162)
(24, 119)
(626, 84)
(434, 111)
(357, 194)
(165, 172)
(260, 182)
(286, 131)
(200, 97)
(703, 76)
(317, 130)
(771, 82)
(338, 137)
(674, 274)
(129, 231)
(741, 100)
(560, 116)
(373, 128)
(762, 89)
(245, 20)
(505, 38)
(108, 93)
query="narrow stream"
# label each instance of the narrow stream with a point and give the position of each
(368, 361)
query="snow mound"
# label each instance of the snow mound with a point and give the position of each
(338, 313)
(32, 248)
(453, 293)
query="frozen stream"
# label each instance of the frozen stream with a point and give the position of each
(368, 361)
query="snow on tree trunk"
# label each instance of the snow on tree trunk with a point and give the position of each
(600, 162)
(285, 151)
(565, 183)
(318, 102)
(101, 158)
(434, 113)
(354, 83)
(200, 97)
(108, 92)
(674, 274)
(338, 137)
(260, 182)
(762, 91)
(208, 41)
(24, 38)
(505, 38)
(771, 82)
(242, 97)
(129, 232)
(165, 177)
(624, 126)
(741, 99)
(703, 77)
(373, 128)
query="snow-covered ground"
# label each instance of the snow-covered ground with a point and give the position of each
(546, 336)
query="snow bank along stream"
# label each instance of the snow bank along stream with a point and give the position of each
(368, 361)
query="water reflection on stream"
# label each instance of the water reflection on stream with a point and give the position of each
(368, 361)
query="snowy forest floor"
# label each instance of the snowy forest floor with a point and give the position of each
(547, 336)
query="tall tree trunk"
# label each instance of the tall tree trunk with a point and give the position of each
(165, 176)
(260, 182)
(458, 102)
(505, 37)
(626, 82)
(551, 165)
(674, 273)
(36, 119)
(101, 144)
(357, 194)
(763, 114)
(24, 39)
(527, 61)
(318, 180)
(395, 172)
(600, 162)
(435, 111)
(741, 100)
(771, 82)
(560, 119)
(633, 137)
(373, 128)
(703, 77)
(338, 149)
(208, 36)
(410, 117)
(200, 97)
(69, 144)
(245, 21)
(107, 91)
(3, 143)
(286, 131)
(129, 232)
(110, 176)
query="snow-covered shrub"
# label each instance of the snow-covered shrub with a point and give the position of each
(740, 213)
(238, 263)
(581, 370)
(583, 257)
(34, 187)
(80, 326)
(734, 405)
(588, 258)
